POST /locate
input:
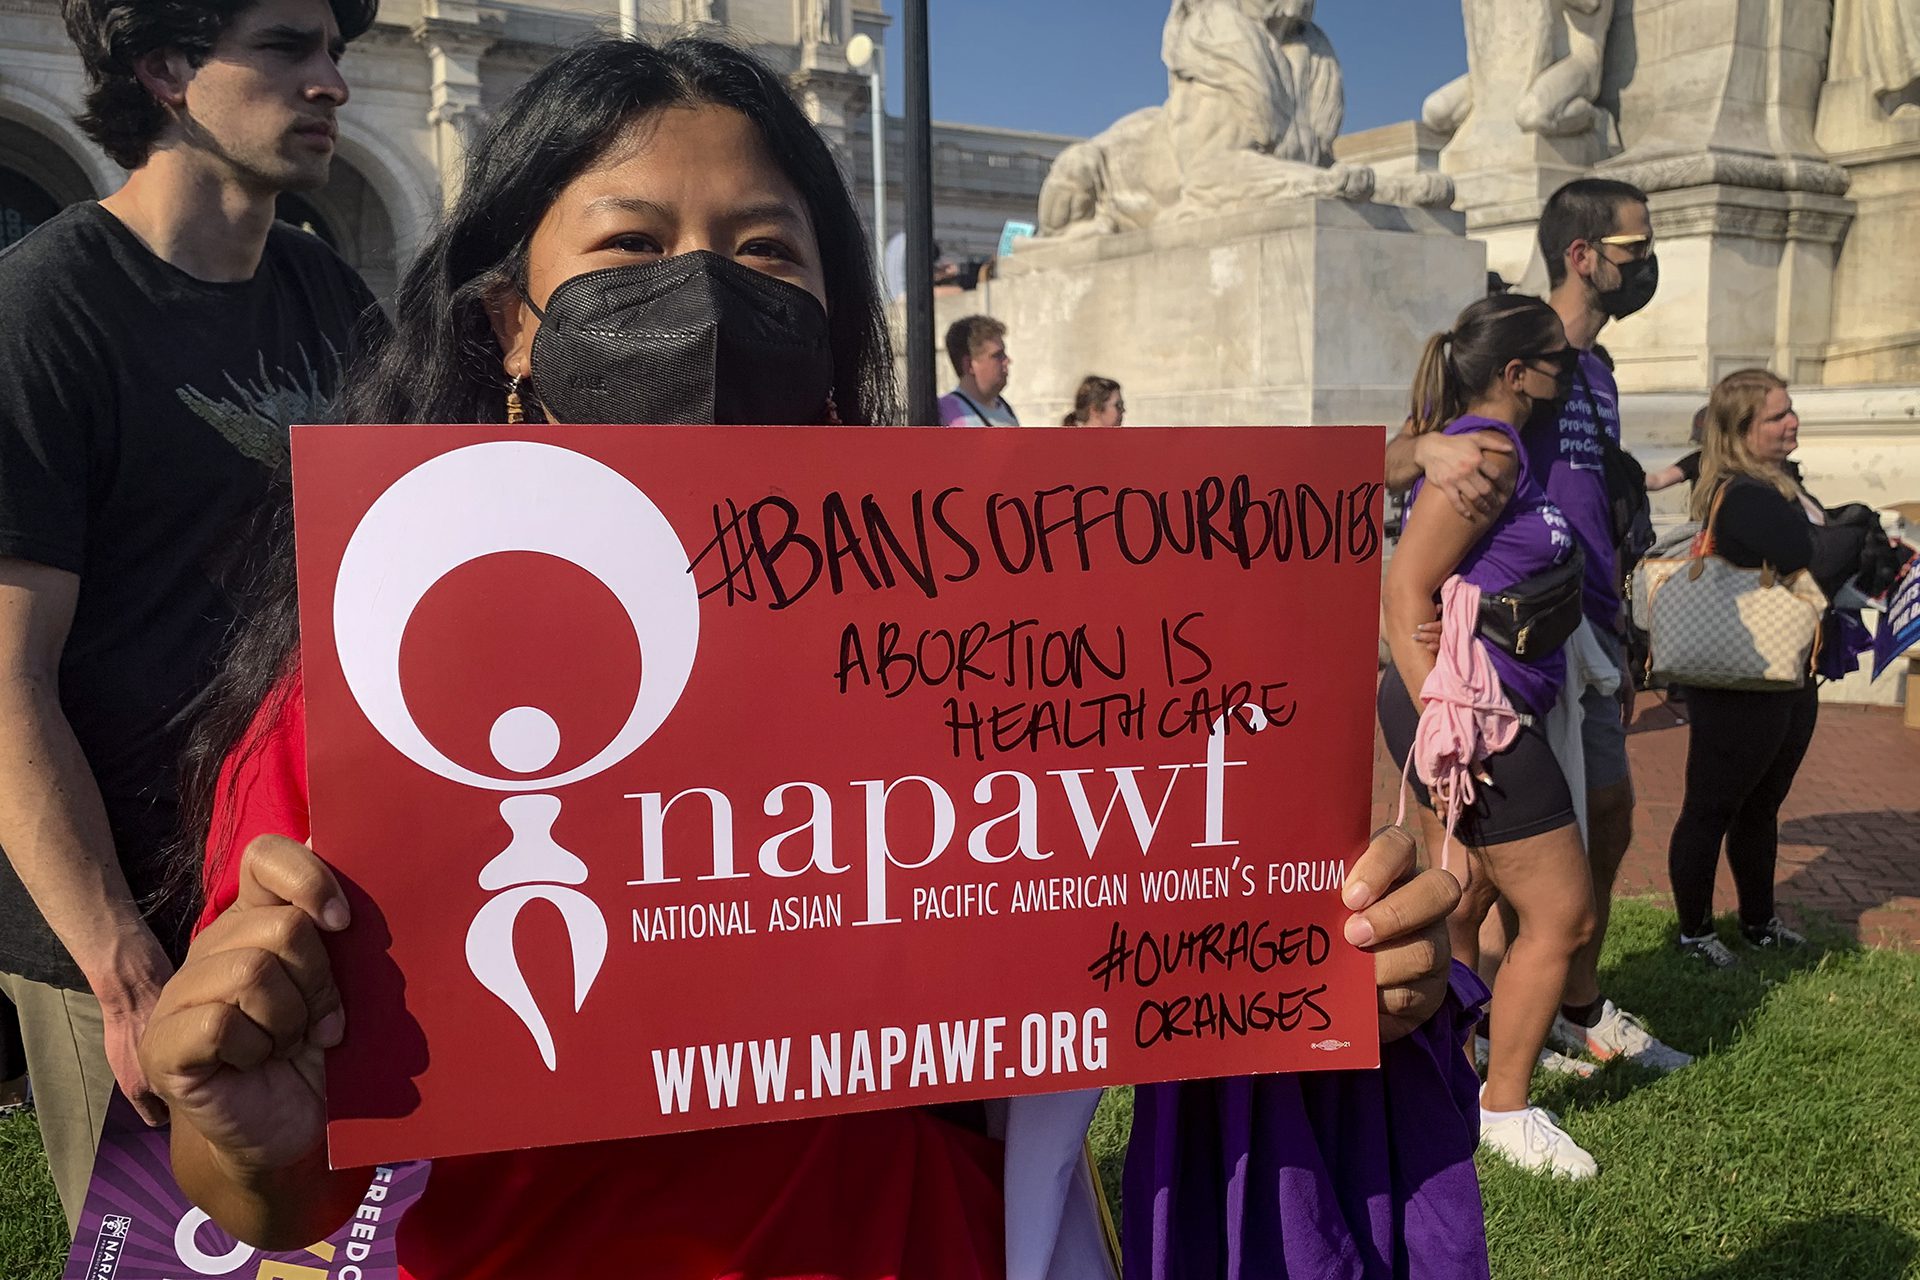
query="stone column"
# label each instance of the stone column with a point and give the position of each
(1746, 279)
(1719, 120)
(455, 39)
(830, 92)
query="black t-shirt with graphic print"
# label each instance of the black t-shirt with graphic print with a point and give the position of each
(143, 422)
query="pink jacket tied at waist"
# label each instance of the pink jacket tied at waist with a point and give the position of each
(1466, 716)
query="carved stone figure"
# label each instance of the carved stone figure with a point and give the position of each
(1254, 102)
(1879, 41)
(820, 25)
(1562, 45)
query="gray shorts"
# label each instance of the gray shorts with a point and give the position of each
(1603, 729)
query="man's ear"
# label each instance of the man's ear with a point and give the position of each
(1580, 259)
(514, 326)
(165, 73)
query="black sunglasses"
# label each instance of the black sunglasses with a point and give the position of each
(1564, 361)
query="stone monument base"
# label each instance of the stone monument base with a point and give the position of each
(1306, 311)
(1746, 279)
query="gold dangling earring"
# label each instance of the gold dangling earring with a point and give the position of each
(516, 412)
(833, 412)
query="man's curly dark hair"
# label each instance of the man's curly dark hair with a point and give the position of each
(112, 35)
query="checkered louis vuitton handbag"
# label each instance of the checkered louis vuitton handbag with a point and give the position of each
(1717, 626)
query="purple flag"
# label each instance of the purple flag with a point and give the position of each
(139, 1225)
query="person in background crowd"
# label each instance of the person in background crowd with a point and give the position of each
(156, 346)
(624, 163)
(1744, 746)
(1506, 354)
(977, 346)
(1687, 467)
(1597, 239)
(1098, 403)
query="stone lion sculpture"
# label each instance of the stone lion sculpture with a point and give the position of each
(1567, 41)
(1254, 102)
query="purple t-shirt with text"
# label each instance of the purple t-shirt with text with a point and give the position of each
(1571, 466)
(1530, 536)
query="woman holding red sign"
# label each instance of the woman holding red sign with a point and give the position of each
(625, 195)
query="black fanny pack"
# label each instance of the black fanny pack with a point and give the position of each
(1535, 616)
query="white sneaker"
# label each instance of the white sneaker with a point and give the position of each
(1530, 1138)
(1561, 1065)
(1558, 1063)
(1618, 1034)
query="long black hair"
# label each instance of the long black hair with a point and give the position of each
(442, 363)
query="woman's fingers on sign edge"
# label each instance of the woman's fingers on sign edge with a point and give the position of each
(277, 869)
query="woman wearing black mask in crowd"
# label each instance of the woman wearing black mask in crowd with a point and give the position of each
(636, 220)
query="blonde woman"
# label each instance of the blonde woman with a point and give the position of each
(1744, 746)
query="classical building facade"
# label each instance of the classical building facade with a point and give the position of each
(425, 77)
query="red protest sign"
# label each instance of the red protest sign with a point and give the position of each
(686, 777)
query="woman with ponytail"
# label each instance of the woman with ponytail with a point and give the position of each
(1098, 403)
(1505, 586)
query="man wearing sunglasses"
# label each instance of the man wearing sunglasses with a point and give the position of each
(1597, 238)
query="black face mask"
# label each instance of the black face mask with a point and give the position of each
(1562, 364)
(1638, 280)
(695, 339)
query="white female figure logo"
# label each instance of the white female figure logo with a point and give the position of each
(484, 500)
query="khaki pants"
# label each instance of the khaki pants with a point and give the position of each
(67, 1062)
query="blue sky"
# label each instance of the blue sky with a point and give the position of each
(1075, 66)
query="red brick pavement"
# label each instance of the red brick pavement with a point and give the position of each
(1849, 832)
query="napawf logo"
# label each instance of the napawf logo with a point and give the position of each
(1330, 1044)
(487, 500)
(108, 1245)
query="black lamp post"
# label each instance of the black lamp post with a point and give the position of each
(922, 409)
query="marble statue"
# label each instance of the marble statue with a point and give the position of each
(822, 24)
(1565, 44)
(1879, 41)
(1254, 102)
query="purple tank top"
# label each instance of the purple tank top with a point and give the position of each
(1530, 536)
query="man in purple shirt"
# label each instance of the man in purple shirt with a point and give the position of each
(1597, 238)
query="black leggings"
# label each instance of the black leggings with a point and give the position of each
(1743, 749)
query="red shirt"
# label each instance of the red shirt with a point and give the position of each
(887, 1195)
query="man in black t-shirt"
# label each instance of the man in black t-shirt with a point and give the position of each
(156, 347)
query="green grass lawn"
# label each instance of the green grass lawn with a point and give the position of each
(1789, 1151)
(33, 1234)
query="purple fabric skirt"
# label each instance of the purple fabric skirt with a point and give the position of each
(1336, 1175)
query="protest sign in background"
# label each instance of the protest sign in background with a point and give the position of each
(685, 777)
(1899, 628)
(138, 1225)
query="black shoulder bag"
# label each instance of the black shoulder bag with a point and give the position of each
(1535, 616)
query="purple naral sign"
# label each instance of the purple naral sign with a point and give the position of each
(139, 1225)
